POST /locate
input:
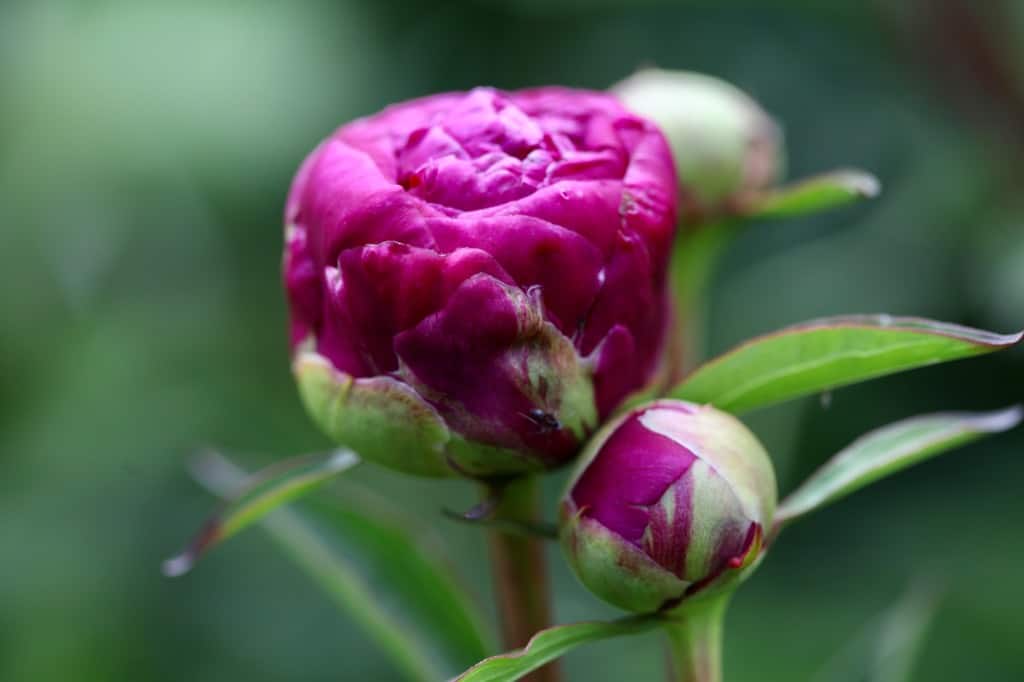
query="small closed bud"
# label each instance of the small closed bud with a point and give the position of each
(671, 500)
(725, 146)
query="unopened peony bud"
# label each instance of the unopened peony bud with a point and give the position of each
(671, 500)
(478, 279)
(724, 144)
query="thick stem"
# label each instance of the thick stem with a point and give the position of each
(695, 641)
(520, 573)
(695, 257)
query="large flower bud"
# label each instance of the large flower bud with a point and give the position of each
(477, 279)
(724, 144)
(671, 500)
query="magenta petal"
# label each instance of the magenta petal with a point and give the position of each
(336, 340)
(642, 312)
(391, 287)
(615, 369)
(302, 285)
(590, 209)
(382, 136)
(632, 471)
(649, 203)
(565, 266)
(468, 185)
(351, 204)
(469, 359)
(423, 147)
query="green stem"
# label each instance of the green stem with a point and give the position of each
(520, 575)
(695, 258)
(695, 640)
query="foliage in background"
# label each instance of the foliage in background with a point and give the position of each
(144, 149)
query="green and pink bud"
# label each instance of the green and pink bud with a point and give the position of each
(477, 280)
(670, 501)
(726, 147)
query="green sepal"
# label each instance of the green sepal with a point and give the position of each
(381, 418)
(386, 421)
(613, 568)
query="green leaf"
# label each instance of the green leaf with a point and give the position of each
(828, 353)
(256, 496)
(888, 450)
(382, 569)
(549, 644)
(815, 194)
(889, 646)
(903, 632)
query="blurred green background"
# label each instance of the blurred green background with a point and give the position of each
(145, 152)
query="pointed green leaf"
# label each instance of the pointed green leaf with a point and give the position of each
(376, 565)
(256, 496)
(828, 353)
(549, 644)
(888, 450)
(889, 646)
(815, 194)
(903, 632)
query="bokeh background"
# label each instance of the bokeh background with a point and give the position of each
(145, 152)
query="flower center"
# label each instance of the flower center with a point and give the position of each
(485, 151)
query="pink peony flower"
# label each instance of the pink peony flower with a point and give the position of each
(488, 268)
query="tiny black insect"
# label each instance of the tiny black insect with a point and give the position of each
(544, 420)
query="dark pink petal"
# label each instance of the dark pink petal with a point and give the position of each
(468, 185)
(336, 339)
(423, 147)
(391, 287)
(615, 369)
(565, 266)
(650, 192)
(303, 286)
(631, 472)
(471, 359)
(485, 120)
(588, 208)
(382, 136)
(293, 205)
(348, 203)
(606, 164)
(642, 311)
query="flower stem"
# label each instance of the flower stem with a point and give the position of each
(520, 574)
(695, 641)
(695, 257)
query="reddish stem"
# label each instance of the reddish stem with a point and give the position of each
(520, 573)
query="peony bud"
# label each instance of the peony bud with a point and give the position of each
(670, 500)
(724, 144)
(477, 279)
